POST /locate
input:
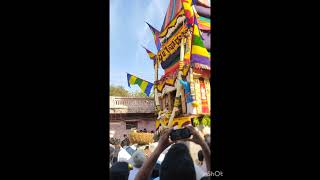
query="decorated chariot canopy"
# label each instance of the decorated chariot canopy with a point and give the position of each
(183, 52)
(174, 28)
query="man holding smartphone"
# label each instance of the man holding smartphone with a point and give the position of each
(170, 168)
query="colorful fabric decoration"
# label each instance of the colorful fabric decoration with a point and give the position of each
(200, 57)
(156, 34)
(175, 6)
(166, 80)
(169, 82)
(174, 27)
(170, 47)
(172, 69)
(171, 60)
(187, 53)
(204, 23)
(188, 11)
(180, 122)
(144, 85)
(196, 21)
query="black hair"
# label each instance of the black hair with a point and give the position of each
(178, 164)
(200, 155)
(124, 135)
(147, 147)
(205, 178)
(119, 171)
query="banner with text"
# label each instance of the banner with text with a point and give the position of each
(172, 45)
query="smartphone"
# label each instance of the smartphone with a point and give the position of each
(178, 134)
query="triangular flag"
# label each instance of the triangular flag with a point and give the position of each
(151, 54)
(155, 34)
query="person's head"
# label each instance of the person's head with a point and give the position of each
(205, 178)
(124, 135)
(200, 156)
(119, 171)
(170, 169)
(146, 148)
(138, 158)
(152, 131)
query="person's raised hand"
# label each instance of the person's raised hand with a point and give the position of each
(164, 140)
(196, 137)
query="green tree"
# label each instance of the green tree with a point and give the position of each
(118, 91)
(139, 93)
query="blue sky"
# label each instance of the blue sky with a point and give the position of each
(128, 31)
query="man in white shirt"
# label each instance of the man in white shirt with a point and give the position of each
(123, 155)
(137, 160)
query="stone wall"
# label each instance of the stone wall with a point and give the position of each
(131, 105)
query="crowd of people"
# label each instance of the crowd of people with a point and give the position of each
(165, 160)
